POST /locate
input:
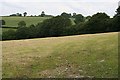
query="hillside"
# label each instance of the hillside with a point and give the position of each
(91, 55)
(13, 21)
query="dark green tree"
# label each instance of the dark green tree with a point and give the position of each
(115, 23)
(87, 18)
(70, 30)
(22, 33)
(79, 18)
(9, 35)
(20, 14)
(66, 15)
(98, 22)
(25, 14)
(54, 26)
(42, 14)
(22, 24)
(3, 22)
(74, 15)
(33, 31)
(118, 10)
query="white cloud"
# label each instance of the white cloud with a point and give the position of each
(85, 7)
(60, 0)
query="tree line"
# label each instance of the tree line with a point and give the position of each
(25, 14)
(62, 26)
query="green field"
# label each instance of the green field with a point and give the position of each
(88, 55)
(13, 21)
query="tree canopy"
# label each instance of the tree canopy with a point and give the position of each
(79, 18)
(66, 15)
(54, 26)
(22, 24)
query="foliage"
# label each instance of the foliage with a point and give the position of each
(70, 30)
(118, 10)
(79, 18)
(87, 18)
(9, 35)
(22, 33)
(33, 31)
(22, 24)
(66, 15)
(62, 26)
(115, 24)
(81, 28)
(25, 14)
(17, 14)
(54, 26)
(74, 15)
(42, 14)
(97, 23)
(3, 22)
(116, 21)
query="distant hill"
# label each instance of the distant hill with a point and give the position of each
(13, 21)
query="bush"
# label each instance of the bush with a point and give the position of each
(2, 22)
(79, 18)
(97, 23)
(81, 28)
(22, 33)
(66, 15)
(62, 26)
(33, 31)
(22, 24)
(53, 26)
(114, 24)
(70, 30)
(9, 35)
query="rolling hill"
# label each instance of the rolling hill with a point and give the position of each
(13, 21)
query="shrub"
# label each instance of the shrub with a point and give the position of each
(22, 33)
(22, 24)
(79, 18)
(33, 31)
(9, 35)
(53, 26)
(97, 23)
(2, 22)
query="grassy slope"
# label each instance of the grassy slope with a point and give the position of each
(73, 56)
(13, 21)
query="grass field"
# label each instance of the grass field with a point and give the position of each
(88, 55)
(13, 21)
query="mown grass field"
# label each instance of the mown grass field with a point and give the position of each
(91, 55)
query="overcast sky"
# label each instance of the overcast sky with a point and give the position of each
(56, 7)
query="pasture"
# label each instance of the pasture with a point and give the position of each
(91, 55)
(13, 21)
